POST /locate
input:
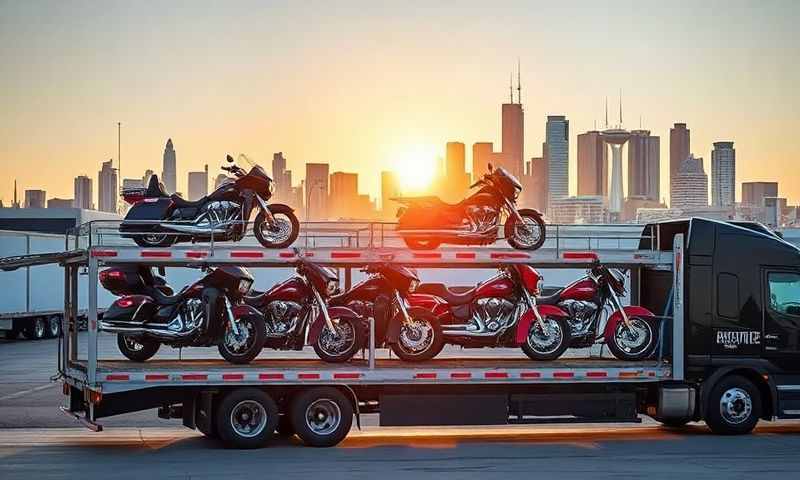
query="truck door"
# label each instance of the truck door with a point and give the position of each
(782, 313)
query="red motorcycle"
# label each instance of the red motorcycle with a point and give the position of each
(500, 312)
(629, 331)
(296, 311)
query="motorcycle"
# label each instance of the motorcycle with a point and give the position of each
(296, 310)
(158, 219)
(383, 296)
(629, 331)
(499, 312)
(426, 222)
(205, 313)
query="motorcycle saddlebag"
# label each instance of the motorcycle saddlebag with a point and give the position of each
(152, 209)
(132, 308)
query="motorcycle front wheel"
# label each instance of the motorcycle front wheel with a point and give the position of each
(282, 233)
(137, 349)
(634, 342)
(547, 340)
(243, 348)
(420, 340)
(342, 345)
(528, 234)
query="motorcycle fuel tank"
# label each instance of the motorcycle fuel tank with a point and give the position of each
(581, 289)
(293, 289)
(499, 286)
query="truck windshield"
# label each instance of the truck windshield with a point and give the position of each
(784, 292)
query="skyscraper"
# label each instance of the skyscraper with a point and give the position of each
(481, 157)
(513, 138)
(282, 177)
(534, 184)
(344, 195)
(107, 188)
(644, 165)
(690, 185)
(679, 147)
(390, 188)
(557, 155)
(168, 174)
(198, 184)
(592, 164)
(316, 184)
(456, 180)
(723, 175)
(754, 193)
(35, 198)
(83, 193)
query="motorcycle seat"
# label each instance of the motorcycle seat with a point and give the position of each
(155, 189)
(442, 291)
(551, 299)
(426, 201)
(181, 203)
(163, 299)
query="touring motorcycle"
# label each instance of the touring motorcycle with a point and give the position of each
(297, 308)
(426, 222)
(630, 332)
(205, 313)
(383, 296)
(158, 219)
(500, 312)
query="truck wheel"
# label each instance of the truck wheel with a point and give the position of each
(734, 406)
(137, 349)
(36, 331)
(54, 327)
(321, 416)
(246, 418)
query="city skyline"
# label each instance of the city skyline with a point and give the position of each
(362, 121)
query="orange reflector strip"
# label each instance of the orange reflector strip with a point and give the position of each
(460, 375)
(116, 377)
(196, 254)
(510, 255)
(563, 374)
(104, 253)
(428, 255)
(530, 375)
(194, 376)
(465, 255)
(346, 376)
(495, 375)
(247, 254)
(596, 374)
(156, 377)
(425, 376)
(345, 254)
(156, 254)
(232, 376)
(308, 376)
(270, 376)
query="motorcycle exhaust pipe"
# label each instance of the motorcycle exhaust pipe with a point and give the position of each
(193, 229)
(158, 334)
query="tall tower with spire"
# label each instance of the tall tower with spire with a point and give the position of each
(514, 131)
(616, 137)
(169, 171)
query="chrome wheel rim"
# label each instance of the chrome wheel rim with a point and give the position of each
(132, 344)
(248, 418)
(54, 325)
(323, 416)
(545, 339)
(279, 232)
(735, 406)
(154, 238)
(527, 232)
(39, 328)
(635, 338)
(416, 337)
(337, 343)
(241, 343)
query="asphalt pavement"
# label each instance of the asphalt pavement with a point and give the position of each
(37, 441)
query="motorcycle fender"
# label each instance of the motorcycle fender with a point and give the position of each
(319, 322)
(271, 206)
(393, 333)
(240, 311)
(528, 318)
(616, 317)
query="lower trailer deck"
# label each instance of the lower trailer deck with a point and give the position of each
(118, 376)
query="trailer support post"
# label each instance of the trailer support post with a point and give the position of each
(92, 320)
(371, 343)
(678, 279)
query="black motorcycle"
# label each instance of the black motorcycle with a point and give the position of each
(205, 313)
(411, 332)
(426, 222)
(158, 219)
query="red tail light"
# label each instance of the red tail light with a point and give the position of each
(124, 302)
(110, 274)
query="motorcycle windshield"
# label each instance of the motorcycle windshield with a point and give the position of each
(507, 182)
(258, 172)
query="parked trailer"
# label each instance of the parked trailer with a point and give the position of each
(712, 364)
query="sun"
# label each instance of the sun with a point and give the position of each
(416, 168)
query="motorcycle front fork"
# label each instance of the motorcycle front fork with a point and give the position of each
(324, 310)
(231, 318)
(402, 306)
(531, 301)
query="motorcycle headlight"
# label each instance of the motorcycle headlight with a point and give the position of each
(271, 187)
(244, 286)
(331, 286)
(413, 285)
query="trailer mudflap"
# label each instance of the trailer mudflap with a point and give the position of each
(429, 410)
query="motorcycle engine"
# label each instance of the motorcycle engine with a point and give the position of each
(281, 317)
(220, 214)
(494, 313)
(191, 315)
(481, 217)
(580, 314)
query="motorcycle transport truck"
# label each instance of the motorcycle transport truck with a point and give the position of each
(729, 345)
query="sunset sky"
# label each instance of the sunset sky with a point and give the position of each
(364, 85)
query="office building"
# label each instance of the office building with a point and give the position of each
(644, 165)
(198, 184)
(690, 185)
(753, 193)
(534, 184)
(132, 183)
(723, 175)
(343, 195)
(585, 209)
(481, 157)
(390, 188)
(83, 193)
(282, 178)
(456, 180)
(316, 191)
(107, 188)
(169, 171)
(557, 155)
(35, 198)
(679, 148)
(513, 138)
(592, 164)
(59, 203)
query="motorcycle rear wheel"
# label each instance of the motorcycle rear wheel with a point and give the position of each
(137, 349)
(535, 230)
(154, 240)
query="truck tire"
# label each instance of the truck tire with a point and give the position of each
(137, 350)
(36, 331)
(321, 416)
(246, 418)
(734, 406)
(54, 327)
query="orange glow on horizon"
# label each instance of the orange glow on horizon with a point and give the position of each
(416, 168)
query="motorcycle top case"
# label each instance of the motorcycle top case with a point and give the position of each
(149, 209)
(133, 308)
